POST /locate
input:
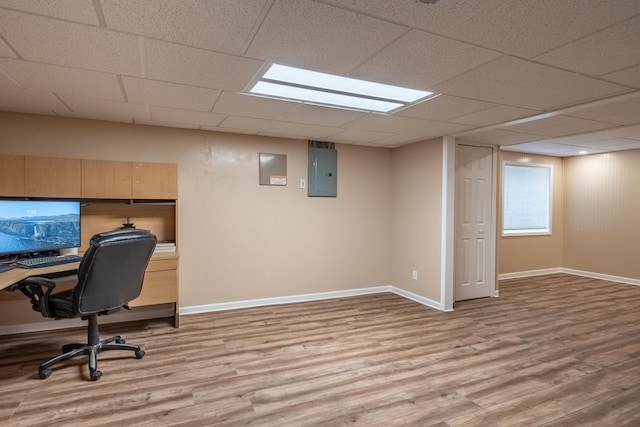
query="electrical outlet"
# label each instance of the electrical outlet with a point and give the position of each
(414, 275)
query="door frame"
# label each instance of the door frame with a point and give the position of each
(447, 283)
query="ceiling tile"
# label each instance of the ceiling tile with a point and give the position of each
(403, 125)
(623, 112)
(612, 144)
(29, 101)
(250, 125)
(323, 116)
(5, 50)
(71, 45)
(6, 80)
(92, 107)
(223, 25)
(542, 147)
(174, 115)
(167, 124)
(144, 91)
(431, 17)
(355, 135)
(228, 130)
(630, 132)
(530, 28)
(516, 138)
(72, 10)
(629, 76)
(444, 107)
(309, 131)
(312, 35)
(485, 135)
(237, 104)
(497, 114)
(56, 79)
(521, 83)
(198, 67)
(578, 139)
(398, 140)
(560, 126)
(611, 46)
(420, 60)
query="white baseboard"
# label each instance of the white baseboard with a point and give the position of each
(232, 305)
(530, 273)
(143, 313)
(592, 275)
(609, 277)
(417, 298)
(208, 308)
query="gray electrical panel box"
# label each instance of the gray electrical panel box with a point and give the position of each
(323, 172)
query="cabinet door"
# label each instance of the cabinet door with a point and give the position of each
(11, 175)
(160, 283)
(104, 179)
(155, 181)
(52, 177)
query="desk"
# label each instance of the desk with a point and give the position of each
(159, 286)
(11, 277)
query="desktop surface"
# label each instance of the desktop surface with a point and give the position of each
(13, 276)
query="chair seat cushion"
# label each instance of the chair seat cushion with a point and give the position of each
(61, 304)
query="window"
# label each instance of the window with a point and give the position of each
(526, 199)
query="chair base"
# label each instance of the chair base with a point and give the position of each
(91, 349)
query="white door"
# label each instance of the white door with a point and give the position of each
(473, 229)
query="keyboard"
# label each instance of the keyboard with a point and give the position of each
(47, 261)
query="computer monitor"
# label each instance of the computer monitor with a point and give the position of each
(29, 226)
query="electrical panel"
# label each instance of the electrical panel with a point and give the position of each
(323, 172)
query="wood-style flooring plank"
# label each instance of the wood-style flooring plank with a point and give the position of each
(551, 350)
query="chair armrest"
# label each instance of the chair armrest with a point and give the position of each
(37, 289)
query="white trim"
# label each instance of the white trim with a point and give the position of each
(609, 277)
(419, 299)
(448, 223)
(143, 313)
(590, 274)
(530, 273)
(208, 308)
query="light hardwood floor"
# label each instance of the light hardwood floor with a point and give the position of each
(554, 350)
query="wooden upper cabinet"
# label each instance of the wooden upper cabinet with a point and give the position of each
(104, 179)
(11, 175)
(155, 181)
(52, 177)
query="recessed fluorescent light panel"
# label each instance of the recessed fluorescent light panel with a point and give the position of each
(281, 81)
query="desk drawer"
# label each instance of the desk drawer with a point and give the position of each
(159, 287)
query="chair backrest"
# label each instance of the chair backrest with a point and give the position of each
(112, 270)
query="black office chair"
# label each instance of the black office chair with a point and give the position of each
(109, 276)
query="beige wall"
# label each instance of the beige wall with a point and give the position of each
(416, 232)
(602, 206)
(239, 240)
(526, 253)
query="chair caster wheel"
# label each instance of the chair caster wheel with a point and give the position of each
(44, 374)
(139, 354)
(95, 375)
(120, 341)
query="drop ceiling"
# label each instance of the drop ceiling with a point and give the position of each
(548, 77)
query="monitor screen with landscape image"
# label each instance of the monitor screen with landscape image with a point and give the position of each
(29, 226)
